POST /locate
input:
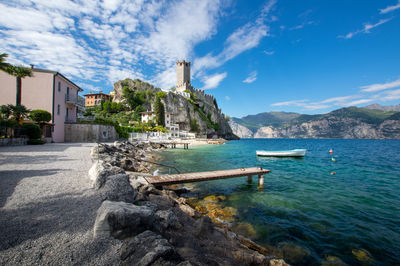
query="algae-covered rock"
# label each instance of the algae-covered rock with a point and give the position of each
(332, 261)
(362, 255)
(292, 253)
(245, 229)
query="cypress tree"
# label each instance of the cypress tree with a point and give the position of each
(159, 112)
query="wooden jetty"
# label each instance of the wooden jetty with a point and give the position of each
(173, 144)
(205, 176)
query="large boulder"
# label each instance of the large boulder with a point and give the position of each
(121, 220)
(118, 188)
(149, 248)
(99, 172)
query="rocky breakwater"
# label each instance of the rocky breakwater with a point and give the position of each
(155, 226)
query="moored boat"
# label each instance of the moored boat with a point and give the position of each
(286, 153)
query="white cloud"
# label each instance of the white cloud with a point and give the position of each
(227, 98)
(341, 99)
(366, 29)
(269, 52)
(242, 39)
(107, 39)
(390, 8)
(390, 95)
(381, 86)
(251, 78)
(211, 82)
(289, 103)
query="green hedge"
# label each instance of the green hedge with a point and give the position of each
(33, 131)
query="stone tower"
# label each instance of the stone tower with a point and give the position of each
(182, 75)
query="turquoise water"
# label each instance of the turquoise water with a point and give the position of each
(301, 203)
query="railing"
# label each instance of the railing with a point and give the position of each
(70, 98)
(70, 119)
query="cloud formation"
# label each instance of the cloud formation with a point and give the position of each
(381, 86)
(366, 29)
(251, 78)
(242, 39)
(211, 82)
(107, 40)
(390, 8)
(371, 93)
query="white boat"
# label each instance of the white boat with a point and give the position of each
(287, 153)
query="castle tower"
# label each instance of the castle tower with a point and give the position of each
(182, 75)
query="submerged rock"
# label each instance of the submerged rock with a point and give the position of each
(362, 255)
(332, 261)
(245, 229)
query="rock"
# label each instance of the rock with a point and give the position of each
(332, 261)
(99, 172)
(204, 226)
(166, 219)
(121, 219)
(245, 229)
(362, 255)
(293, 253)
(240, 130)
(189, 210)
(277, 262)
(146, 248)
(118, 188)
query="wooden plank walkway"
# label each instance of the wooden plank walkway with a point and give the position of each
(205, 176)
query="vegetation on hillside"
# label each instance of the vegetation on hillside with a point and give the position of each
(283, 119)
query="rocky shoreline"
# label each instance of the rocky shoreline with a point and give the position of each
(156, 226)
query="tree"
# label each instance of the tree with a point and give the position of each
(159, 112)
(3, 65)
(40, 116)
(18, 112)
(17, 71)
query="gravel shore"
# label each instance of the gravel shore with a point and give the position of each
(48, 207)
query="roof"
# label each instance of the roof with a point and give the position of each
(56, 73)
(100, 93)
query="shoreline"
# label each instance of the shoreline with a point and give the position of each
(172, 218)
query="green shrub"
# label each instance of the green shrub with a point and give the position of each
(33, 131)
(35, 142)
(40, 116)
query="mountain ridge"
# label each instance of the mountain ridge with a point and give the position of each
(349, 122)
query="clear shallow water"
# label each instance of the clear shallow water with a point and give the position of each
(302, 203)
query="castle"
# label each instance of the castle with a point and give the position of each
(183, 76)
(183, 84)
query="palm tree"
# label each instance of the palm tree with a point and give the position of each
(17, 71)
(20, 72)
(6, 67)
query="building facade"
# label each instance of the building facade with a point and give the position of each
(169, 124)
(93, 99)
(47, 90)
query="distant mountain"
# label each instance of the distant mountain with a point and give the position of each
(254, 122)
(384, 107)
(347, 123)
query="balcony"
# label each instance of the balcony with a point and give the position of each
(70, 99)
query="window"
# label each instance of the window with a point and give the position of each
(66, 111)
(58, 109)
(59, 86)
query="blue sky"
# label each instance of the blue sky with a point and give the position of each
(253, 56)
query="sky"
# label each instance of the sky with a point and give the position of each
(253, 56)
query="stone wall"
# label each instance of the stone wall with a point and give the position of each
(89, 133)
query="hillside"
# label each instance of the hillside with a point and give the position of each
(347, 123)
(199, 113)
(254, 122)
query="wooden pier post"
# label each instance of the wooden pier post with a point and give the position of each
(260, 181)
(249, 179)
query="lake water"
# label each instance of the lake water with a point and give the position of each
(353, 215)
